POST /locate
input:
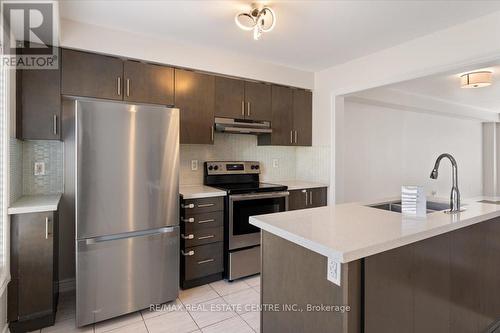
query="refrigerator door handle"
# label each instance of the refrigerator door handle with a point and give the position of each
(101, 239)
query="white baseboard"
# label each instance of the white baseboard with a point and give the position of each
(67, 285)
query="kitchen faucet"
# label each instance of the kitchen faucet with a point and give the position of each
(455, 193)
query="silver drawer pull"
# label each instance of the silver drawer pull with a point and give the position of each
(206, 237)
(47, 233)
(190, 236)
(205, 261)
(189, 253)
(190, 206)
(206, 205)
(189, 220)
(206, 221)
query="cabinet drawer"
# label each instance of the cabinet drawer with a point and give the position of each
(203, 221)
(203, 236)
(203, 260)
(203, 205)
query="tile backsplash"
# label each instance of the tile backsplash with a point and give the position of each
(23, 155)
(311, 163)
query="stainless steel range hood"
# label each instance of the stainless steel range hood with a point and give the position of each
(242, 126)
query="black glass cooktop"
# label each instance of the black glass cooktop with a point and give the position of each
(240, 188)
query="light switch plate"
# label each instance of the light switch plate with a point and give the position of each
(39, 169)
(194, 165)
(276, 163)
(333, 273)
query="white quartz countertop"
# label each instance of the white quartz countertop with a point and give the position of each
(299, 184)
(200, 191)
(348, 232)
(35, 203)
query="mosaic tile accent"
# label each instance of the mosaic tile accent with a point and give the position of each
(237, 147)
(51, 153)
(16, 169)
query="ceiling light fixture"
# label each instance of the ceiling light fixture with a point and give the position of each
(476, 79)
(258, 20)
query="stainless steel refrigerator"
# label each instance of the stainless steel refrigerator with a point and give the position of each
(124, 161)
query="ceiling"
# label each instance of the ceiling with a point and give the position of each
(446, 87)
(309, 35)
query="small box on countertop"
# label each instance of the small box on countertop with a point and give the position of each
(413, 200)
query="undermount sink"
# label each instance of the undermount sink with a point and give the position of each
(395, 206)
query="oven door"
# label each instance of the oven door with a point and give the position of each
(242, 206)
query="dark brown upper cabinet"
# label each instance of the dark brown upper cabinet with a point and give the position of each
(38, 106)
(282, 118)
(195, 97)
(148, 83)
(240, 99)
(229, 98)
(291, 118)
(91, 75)
(302, 117)
(258, 101)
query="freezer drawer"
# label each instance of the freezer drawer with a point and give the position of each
(118, 276)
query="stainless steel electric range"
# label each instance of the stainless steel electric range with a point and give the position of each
(246, 196)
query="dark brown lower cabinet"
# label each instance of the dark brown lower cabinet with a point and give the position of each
(307, 198)
(33, 289)
(202, 241)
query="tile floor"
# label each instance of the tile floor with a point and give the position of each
(219, 307)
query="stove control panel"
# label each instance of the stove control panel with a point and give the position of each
(232, 167)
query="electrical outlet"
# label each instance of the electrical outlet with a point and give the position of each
(194, 165)
(276, 163)
(39, 169)
(333, 271)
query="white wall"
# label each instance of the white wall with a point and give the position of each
(103, 40)
(472, 42)
(386, 148)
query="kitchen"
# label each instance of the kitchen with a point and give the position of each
(95, 139)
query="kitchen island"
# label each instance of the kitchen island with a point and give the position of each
(440, 273)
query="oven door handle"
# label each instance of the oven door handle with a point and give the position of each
(241, 197)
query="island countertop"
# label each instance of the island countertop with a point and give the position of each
(351, 231)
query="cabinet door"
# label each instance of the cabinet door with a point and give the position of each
(229, 98)
(282, 116)
(91, 75)
(33, 241)
(317, 197)
(258, 101)
(148, 83)
(302, 117)
(297, 199)
(195, 97)
(39, 104)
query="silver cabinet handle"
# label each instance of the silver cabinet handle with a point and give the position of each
(119, 85)
(311, 198)
(190, 236)
(305, 192)
(187, 254)
(206, 221)
(128, 87)
(291, 136)
(248, 109)
(205, 261)
(46, 227)
(296, 136)
(189, 220)
(206, 237)
(212, 132)
(243, 108)
(206, 205)
(54, 124)
(189, 206)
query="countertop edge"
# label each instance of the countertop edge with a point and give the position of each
(33, 207)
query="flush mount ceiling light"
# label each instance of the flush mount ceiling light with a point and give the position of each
(476, 79)
(258, 20)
